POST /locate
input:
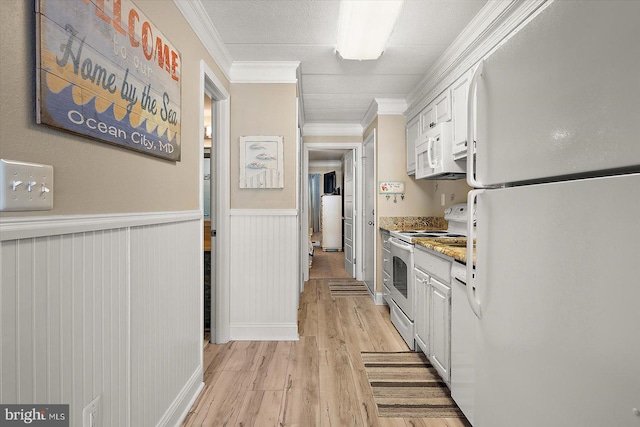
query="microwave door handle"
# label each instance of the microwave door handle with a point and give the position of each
(471, 280)
(471, 125)
(429, 152)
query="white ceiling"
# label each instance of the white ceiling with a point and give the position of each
(336, 90)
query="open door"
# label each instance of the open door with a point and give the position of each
(349, 211)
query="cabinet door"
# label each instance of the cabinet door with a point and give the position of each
(459, 94)
(413, 132)
(422, 310)
(440, 324)
(427, 118)
(442, 106)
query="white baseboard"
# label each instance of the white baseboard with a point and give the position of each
(179, 409)
(261, 332)
(378, 299)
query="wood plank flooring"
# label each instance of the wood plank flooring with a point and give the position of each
(317, 381)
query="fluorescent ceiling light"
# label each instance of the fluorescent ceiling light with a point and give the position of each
(365, 27)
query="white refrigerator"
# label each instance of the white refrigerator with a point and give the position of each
(556, 291)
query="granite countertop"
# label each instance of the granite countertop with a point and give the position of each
(399, 223)
(454, 247)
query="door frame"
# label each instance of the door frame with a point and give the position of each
(371, 138)
(213, 87)
(304, 217)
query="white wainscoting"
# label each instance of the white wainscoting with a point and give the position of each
(264, 275)
(101, 305)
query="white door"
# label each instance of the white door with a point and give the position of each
(349, 211)
(369, 217)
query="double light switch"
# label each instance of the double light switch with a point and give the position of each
(25, 186)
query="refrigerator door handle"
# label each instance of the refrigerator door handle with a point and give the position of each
(473, 302)
(471, 125)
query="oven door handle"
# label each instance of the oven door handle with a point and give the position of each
(400, 244)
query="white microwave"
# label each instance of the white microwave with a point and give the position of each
(434, 155)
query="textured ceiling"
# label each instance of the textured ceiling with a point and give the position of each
(335, 90)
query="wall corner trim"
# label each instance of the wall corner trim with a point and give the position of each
(264, 71)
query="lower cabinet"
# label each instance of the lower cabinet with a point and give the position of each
(440, 327)
(422, 313)
(433, 310)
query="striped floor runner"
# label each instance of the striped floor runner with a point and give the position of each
(405, 385)
(348, 288)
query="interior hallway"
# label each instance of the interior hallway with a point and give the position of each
(316, 381)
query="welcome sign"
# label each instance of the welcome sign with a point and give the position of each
(106, 72)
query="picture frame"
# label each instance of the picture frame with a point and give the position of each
(261, 162)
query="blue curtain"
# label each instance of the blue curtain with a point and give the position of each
(314, 201)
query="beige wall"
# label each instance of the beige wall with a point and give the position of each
(422, 197)
(90, 176)
(264, 109)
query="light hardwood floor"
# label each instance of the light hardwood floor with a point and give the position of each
(317, 381)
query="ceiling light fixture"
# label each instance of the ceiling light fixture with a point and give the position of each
(365, 27)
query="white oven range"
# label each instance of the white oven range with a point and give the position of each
(401, 289)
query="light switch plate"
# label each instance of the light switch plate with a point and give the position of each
(25, 186)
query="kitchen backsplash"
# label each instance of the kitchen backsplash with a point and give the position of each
(393, 223)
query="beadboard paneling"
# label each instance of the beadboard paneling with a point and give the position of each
(113, 312)
(166, 334)
(65, 322)
(264, 275)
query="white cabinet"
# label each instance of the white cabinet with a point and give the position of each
(413, 132)
(436, 112)
(433, 309)
(443, 107)
(459, 94)
(440, 324)
(422, 312)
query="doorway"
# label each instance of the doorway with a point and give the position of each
(214, 204)
(343, 159)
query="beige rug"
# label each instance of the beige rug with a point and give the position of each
(348, 288)
(405, 385)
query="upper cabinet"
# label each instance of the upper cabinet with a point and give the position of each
(413, 132)
(436, 112)
(459, 94)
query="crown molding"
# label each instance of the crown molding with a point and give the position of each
(495, 21)
(383, 106)
(196, 16)
(391, 106)
(332, 129)
(264, 71)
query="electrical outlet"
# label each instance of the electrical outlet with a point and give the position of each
(25, 186)
(92, 413)
(442, 199)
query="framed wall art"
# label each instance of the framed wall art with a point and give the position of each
(261, 162)
(104, 71)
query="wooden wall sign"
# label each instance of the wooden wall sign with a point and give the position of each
(106, 72)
